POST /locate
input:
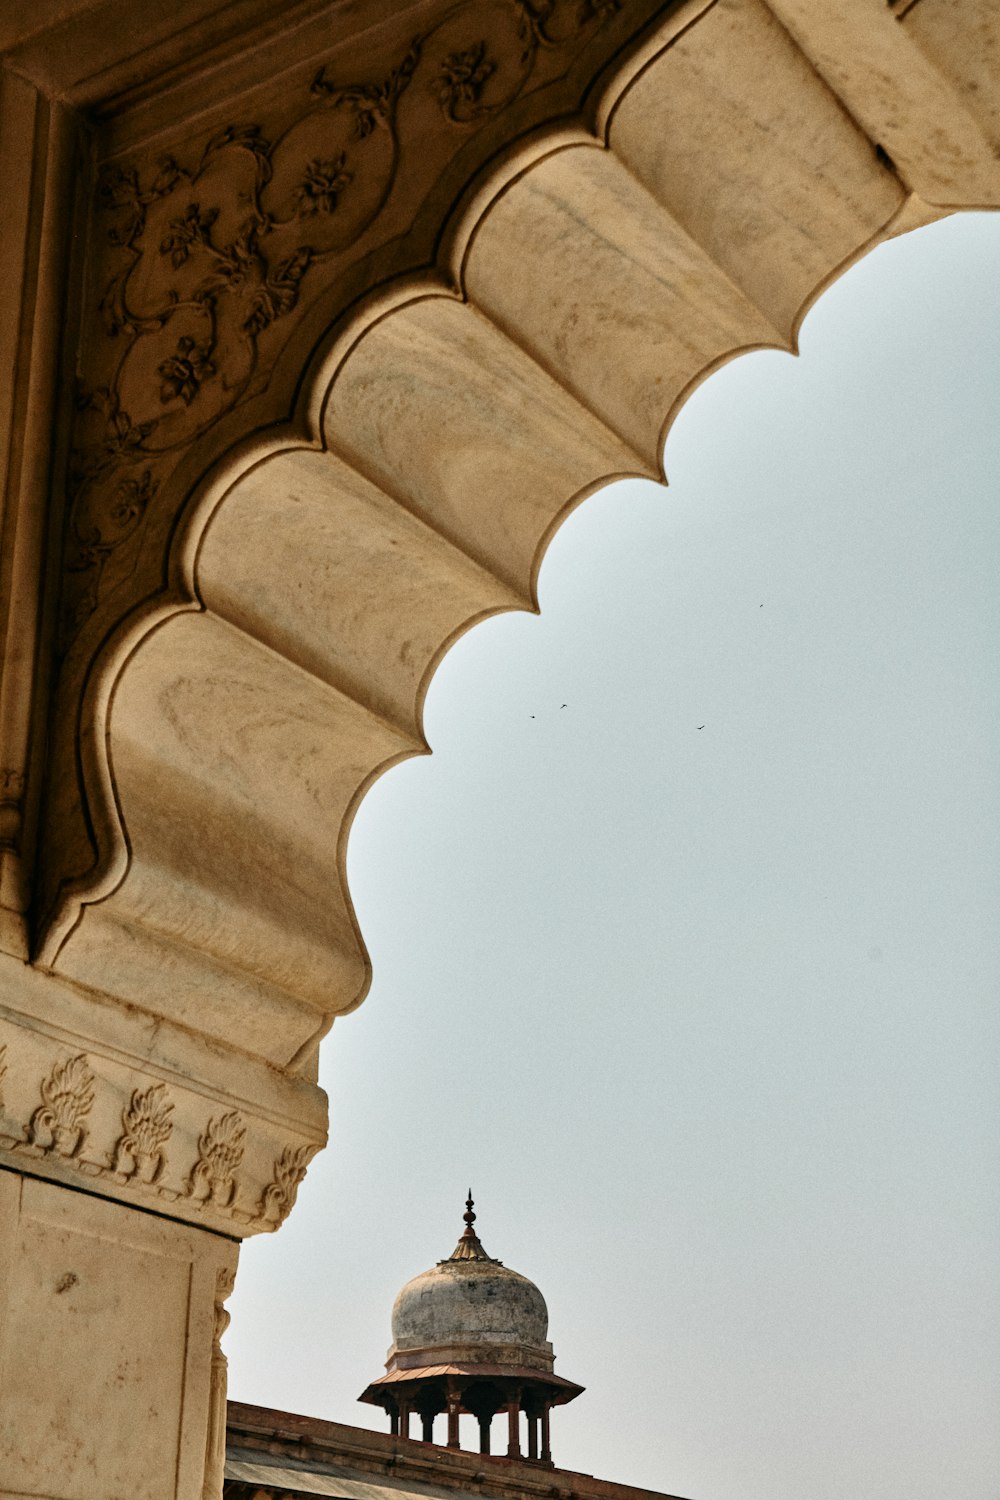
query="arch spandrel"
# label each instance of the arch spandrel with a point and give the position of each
(304, 596)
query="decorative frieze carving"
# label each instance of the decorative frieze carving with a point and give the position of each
(461, 82)
(163, 1146)
(220, 1152)
(146, 1128)
(280, 1194)
(67, 1098)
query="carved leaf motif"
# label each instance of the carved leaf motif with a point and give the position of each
(146, 1126)
(147, 1118)
(462, 79)
(67, 1097)
(119, 190)
(249, 138)
(321, 187)
(280, 1194)
(68, 1090)
(371, 103)
(107, 527)
(279, 293)
(184, 233)
(185, 370)
(220, 1152)
(240, 262)
(122, 438)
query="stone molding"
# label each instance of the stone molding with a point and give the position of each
(81, 1107)
(483, 1352)
(39, 148)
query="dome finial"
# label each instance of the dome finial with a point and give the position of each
(469, 1246)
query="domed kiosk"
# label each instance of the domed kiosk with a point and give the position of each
(470, 1335)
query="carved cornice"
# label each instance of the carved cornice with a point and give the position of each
(83, 1111)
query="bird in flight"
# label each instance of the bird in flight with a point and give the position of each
(701, 726)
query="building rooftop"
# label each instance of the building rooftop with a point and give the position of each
(284, 1454)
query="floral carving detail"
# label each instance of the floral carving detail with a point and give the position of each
(193, 229)
(146, 1126)
(185, 370)
(220, 1152)
(249, 138)
(96, 532)
(320, 189)
(278, 294)
(280, 1194)
(118, 190)
(372, 104)
(126, 508)
(226, 255)
(461, 81)
(121, 440)
(67, 1097)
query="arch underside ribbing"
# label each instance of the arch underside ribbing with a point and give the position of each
(440, 444)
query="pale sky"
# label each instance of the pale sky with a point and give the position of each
(708, 1016)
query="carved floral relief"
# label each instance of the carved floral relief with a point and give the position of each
(67, 1097)
(210, 254)
(203, 1165)
(220, 1152)
(146, 1128)
(280, 1194)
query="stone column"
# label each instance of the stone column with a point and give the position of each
(112, 1381)
(133, 1159)
(513, 1427)
(454, 1410)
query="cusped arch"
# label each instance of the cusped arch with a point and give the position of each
(585, 286)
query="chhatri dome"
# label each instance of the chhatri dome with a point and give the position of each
(470, 1335)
